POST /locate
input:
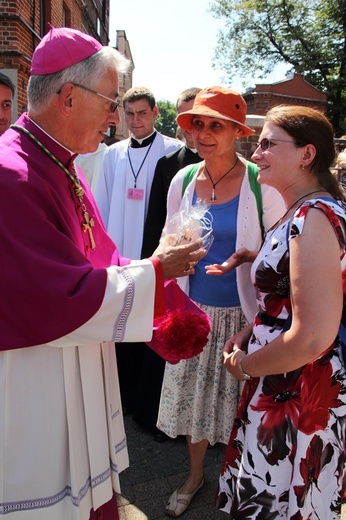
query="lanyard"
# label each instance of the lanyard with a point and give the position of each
(135, 175)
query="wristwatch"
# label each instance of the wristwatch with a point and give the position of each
(245, 375)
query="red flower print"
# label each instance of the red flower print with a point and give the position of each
(280, 402)
(274, 305)
(316, 403)
(275, 284)
(333, 218)
(317, 457)
(234, 449)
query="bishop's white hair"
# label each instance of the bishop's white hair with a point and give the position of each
(42, 88)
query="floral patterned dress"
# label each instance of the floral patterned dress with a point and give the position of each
(286, 457)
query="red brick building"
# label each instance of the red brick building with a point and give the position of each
(125, 80)
(292, 91)
(24, 22)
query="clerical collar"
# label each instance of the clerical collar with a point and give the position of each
(50, 136)
(193, 150)
(142, 143)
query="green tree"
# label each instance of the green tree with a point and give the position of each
(310, 35)
(165, 123)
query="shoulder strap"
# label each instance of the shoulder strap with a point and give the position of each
(189, 176)
(256, 189)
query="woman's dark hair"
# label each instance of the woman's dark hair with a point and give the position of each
(310, 126)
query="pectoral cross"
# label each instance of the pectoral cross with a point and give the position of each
(87, 225)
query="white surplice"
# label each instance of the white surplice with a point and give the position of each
(59, 408)
(123, 217)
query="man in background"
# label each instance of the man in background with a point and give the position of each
(7, 90)
(150, 382)
(122, 195)
(127, 172)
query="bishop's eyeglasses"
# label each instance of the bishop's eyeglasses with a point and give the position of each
(113, 103)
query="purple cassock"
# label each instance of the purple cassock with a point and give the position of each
(52, 281)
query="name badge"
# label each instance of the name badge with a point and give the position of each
(135, 194)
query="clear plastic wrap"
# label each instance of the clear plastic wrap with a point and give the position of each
(190, 225)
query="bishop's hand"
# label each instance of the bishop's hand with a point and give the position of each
(177, 261)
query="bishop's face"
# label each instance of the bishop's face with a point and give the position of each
(93, 113)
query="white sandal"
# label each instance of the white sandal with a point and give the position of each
(178, 503)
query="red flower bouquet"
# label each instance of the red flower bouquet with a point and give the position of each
(181, 331)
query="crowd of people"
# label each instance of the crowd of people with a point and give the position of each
(84, 269)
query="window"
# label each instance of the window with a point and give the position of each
(66, 16)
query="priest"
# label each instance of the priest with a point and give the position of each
(66, 295)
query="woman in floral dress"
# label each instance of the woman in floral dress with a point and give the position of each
(286, 454)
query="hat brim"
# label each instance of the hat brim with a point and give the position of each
(184, 119)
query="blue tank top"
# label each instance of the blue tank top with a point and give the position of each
(218, 291)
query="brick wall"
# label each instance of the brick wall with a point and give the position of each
(293, 91)
(125, 82)
(22, 24)
(17, 43)
(246, 145)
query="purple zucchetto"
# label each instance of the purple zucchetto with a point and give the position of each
(60, 48)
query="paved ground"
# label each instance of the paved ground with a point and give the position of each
(156, 470)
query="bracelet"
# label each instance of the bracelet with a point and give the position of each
(244, 375)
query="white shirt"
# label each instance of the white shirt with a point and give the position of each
(123, 217)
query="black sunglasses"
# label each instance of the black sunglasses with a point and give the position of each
(267, 143)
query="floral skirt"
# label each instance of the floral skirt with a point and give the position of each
(199, 397)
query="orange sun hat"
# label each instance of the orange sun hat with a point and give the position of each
(219, 102)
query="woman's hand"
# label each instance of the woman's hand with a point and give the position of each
(235, 348)
(231, 362)
(239, 257)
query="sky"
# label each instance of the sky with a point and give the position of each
(172, 44)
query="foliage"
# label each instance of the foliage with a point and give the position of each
(165, 123)
(310, 35)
